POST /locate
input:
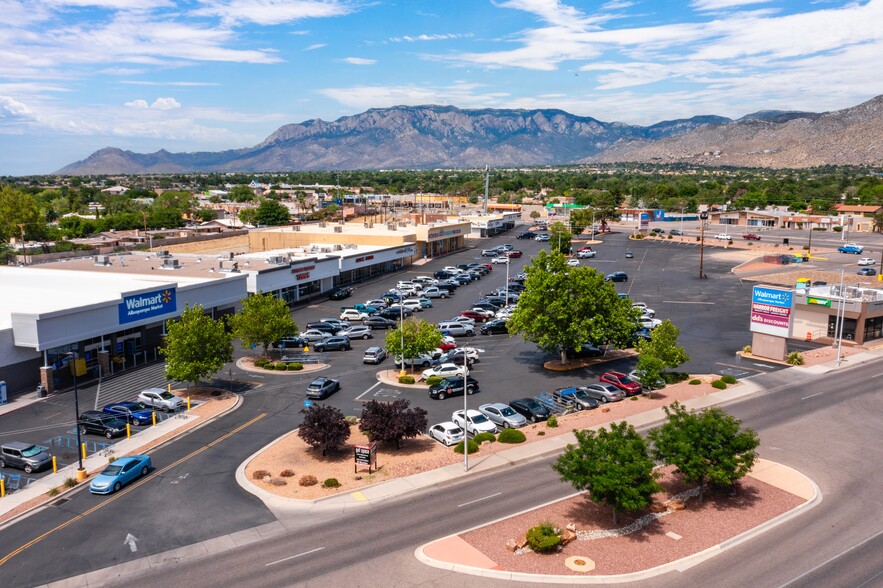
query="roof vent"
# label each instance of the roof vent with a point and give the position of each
(102, 260)
(163, 253)
(391, 226)
(228, 266)
(295, 227)
(170, 264)
(278, 259)
(338, 247)
(323, 224)
(338, 229)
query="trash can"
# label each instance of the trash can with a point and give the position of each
(41, 391)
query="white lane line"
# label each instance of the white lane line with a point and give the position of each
(685, 302)
(812, 395)
(368, 390)
(478, 500)
(273, 563)
(830, 559)
(877, 376)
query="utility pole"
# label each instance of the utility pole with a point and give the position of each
(487, 179)
(702, 217)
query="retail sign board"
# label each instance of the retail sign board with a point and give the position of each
(771, 310)
(147, 305)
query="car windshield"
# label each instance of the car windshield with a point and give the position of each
(479, 418)
(580, 394)
(506, 411)
(112, 470)
(166, 396)
(626, 380)
(31, 451)
(533, 405)
(115, 423)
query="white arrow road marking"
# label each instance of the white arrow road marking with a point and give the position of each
(130, 540)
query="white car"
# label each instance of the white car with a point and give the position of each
(462, 319)
(446, 433)
(445, 370)
(471, 352)
(423, 360)
(585, 254)
(412, 304)
(160, 398)
(723, 237)
(425, 280)
(866, 261)
(500, 259)
(474, 423)
(649, 323)
(351, 314)
(452, 270)
(645, 310)
(483, 312)
(542, 237)
(573, 262)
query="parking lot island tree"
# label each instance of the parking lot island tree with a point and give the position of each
(262, 320)
(559, 237)
(706, 447)
(663, 344)
(564, 307)
(614, 467)
(196, 346)
(417, 336)
(391, 422)
(323, 427)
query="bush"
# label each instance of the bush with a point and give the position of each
(728, 379)
(540, 433)
(260, 474)
(308, 480)
(473, 447)
(52, 492)
(111, 459)
(806, 247)
(746, 349)
(695, 382)
(638, 236)
(552, 421)
(543, 538)
(260, 363)
(70, 482)
(697, 238)
(287, 474)
(669, 237)
(406, 379)
(820, 229)
(280, 367)
(351, 420)
(838, 229)
(674, 377)
(719, 384)
(511, 436)
(482, 437)
(331, 483)
(433, 380)
(730, 242)
(295, 367)
(794, 358)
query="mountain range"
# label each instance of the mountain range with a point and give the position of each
(420, 137)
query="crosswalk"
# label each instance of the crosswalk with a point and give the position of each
(127, 385)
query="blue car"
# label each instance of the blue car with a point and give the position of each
(131, 412)
(119, 473)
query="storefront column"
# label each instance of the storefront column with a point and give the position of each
(104, 363)
(46, 379)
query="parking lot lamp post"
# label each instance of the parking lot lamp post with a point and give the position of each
(593, 223)
(841, 315)
(402, 333)
(465, 422)
(508, 259)
(702, 216)
(81, 472)
(809, 246)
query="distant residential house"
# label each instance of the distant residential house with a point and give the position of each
(116, 190)
(859, 209)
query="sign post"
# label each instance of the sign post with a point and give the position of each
(365, 455)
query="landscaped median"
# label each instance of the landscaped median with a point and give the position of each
(259, 365)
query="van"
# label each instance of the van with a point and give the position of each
(457, 329)
(24, 456)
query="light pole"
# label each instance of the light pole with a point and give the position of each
(593, 224)
(465, 421)
(508, 259)
(81, 472)
(402, 333)
(702, 216)
(809, 246)
(841, 316)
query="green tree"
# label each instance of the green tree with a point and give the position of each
(705, 447)
(240, 193)
(196, 346)
(324, 427)
(649, 370)
(272, 213)
(564, 307)
(418, 336)
(580, 219)
(559, 237)
(17, 209)
(662, 346)
(535, 214)
(248, 216)
(179, 200)
(262, 320)
(613, 466)
(391, 422)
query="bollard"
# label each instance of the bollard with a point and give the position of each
(54, 465)
(2, 487)
(169, 385)
(128, 431)
(188, 404)
(153, 414)
(84, 451)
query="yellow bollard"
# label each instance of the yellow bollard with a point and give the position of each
(188, 404)
(82, 475)
(54, 465)
(153, 414)
(169, 386)
(306, 349)
(84, 451)
(2, 488)
(128, 431)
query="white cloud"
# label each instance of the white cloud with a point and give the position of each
(617, 5)
(137, 104)
(13, 109)
(707, 5)
(315, 46)
(121, 71)
(435, 37)
(466, 95)
(178, 84)
(359, 61)
(272, 12)
(165, 104)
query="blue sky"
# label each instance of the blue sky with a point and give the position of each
(192, 75)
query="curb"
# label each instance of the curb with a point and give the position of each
(679, 565)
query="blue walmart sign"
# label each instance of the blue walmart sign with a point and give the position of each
(147, 305)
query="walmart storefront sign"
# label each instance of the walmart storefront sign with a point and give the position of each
(147, 305)
(771, 311)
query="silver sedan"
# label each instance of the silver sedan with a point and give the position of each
(502, 415)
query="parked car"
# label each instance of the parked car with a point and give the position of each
(446, 433)
(500, 259)
(502, 415)
(368, 309)
(119, 473)
(586, 253)
(470, 352)
(486, 305)
(621, 381)
(855, 249)
(575, 398)
(525, 235)
(377, 304)
(131, 412)
(315, 335)
(866, 261)
(457, 359)
(657, 385)
(475, 315)
(543, 237)
(493, 252)
(394, 312)
(356, 332)
(514, 253)
(351, 314)
(379, 322)
(457, 329)
(573, 262)
(723, 237)
(629, 254)
(473, 422)
(412, 304)
(160, 398)
(435, 292)
(530, 409)
(335, 322)
(584, 350)
(461, 319)
(327, 327)
(617, 277)
(422, 360)
(445, 370)
(676, 233)
(649, 323)
(333, 344)
(645, 310)
(340, 293)
(751, 237)
(24, 456)
(453, 387)
(657, 231)
(322, 388)
(603, 392)
(374, 355)
(867, 271)
(99, 423)
(290, 343)
(495, 327)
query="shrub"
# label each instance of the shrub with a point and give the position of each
(746, 349)
(280, 367)
(111, 459)
(730, 242)
(634, 398)
(820, 228)
(52, 492)
(482, 437)
(433, 380)
(511, 436)
(552, 421)
(697, 238)
(543, 538)
(406, 379)
(669, 237)
(473, 447)
(308, 480)
(695, 382)
(287, 474)
(674, 377)
(806, 247)
(719, 384)
(728, 379)
(278, 482)
(260, 474)
(838, 229)
(351, 420)
(794, 358)
(70, 482)
(331, 483)
(540, 433)
(260, 363)
(295, 367)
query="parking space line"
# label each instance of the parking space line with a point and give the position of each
(812, 395)
(359, 397)
(478, 500)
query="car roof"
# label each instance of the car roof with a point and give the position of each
(499, 405)
(127, 404)
(611, 373)
(447, 425)
(127, 459)
(17, 445)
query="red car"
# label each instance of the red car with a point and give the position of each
(513, 253)
(489, 267)
(587, 248)
(623, 382)
(476, 316)
(751, 237)
(447, 346)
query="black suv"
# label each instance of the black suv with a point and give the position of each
(333, 344)
(100, 423)
(324, 327)
(453, 387)
(340, 293)
(526, 235)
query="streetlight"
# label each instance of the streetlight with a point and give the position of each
(508, 259)
(402, 333)
(841, 316)
(81, 472)
(465, 421)
(809, 247)
(702, 217)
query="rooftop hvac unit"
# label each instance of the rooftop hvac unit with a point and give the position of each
(366, 225)
(102, 260)
(338, 247)
(338, 229)
(391, 226)
(402, 224)
(228, 266)
(323, 224)
(295, 227)
(327, 249)
(277, 259)
(163, 253)
(370, 225)
(341, 222)
(170, 263)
